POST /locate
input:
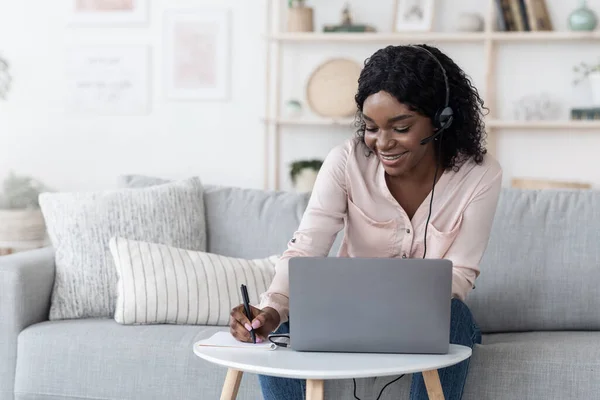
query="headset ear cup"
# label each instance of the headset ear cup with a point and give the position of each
(444, 118)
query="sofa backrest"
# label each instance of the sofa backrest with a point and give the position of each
(541, 270)
(252, 223)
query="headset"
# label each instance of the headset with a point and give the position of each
(444, 116)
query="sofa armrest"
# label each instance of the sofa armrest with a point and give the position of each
(26, 281)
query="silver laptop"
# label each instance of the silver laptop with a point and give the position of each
(370, 305)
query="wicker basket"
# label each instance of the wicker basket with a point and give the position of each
(22, 226)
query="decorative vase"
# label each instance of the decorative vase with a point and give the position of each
(583, 18)
(305, 180)
(469, 22)
(17, 226)
(300, 18)
(594, 79)
(293, 109)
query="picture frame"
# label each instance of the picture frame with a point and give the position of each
(109, 12)
(413, 15)
(108, 80)
(197, 54)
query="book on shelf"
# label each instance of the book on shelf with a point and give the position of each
(523, 15)
(586, 114)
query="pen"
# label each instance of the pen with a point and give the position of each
(247, 308)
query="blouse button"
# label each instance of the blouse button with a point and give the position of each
(408, 231)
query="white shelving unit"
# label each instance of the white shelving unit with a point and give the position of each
(489, 38)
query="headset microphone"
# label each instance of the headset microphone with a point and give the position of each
(430, 138)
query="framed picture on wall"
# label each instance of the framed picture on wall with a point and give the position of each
(108, 12)
(197, 54)
(108, 80)
(413, 15)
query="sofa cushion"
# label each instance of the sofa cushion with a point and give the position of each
(80, 224)
(170, 285)
(542, 265)
(100, 359)
(535, 365)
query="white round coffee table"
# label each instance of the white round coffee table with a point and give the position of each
(317, 367)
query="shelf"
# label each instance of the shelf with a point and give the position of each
(311, 122)
(544, 36)
(498, 124)
(489, 41)
(561, 124)
(378, 37)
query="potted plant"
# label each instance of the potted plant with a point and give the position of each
(592, 73)
(304, 174)
(300, 17)
(21, 220)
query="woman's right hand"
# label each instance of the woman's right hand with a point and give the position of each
(263, 321)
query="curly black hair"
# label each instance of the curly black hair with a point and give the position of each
(411, 75)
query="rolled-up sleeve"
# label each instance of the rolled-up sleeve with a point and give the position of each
(320, 223)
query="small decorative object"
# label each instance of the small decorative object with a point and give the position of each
(304, 174)
(469, 22)
(413, 15)
(197, 53)
(591, 72)
(541, 107)
(347, 24)
(5, 78)
(21, 219)
(300, 17)
(541, 184)
(293, 108)
(583, 18)
(331, 88)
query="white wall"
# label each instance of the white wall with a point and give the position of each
(219, 141)
(223, 142)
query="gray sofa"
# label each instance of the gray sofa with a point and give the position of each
(537, 301)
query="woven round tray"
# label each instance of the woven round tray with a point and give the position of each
(331, 88)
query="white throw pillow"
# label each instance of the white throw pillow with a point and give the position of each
(160, 284)
(80, 225)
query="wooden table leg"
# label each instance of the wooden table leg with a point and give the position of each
(314, 389)
(433, 385)
(232, 384)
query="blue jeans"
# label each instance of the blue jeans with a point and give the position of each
(463, 330)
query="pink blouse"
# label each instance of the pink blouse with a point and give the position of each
(351, 193)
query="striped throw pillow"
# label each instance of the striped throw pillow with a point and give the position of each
(161, 284)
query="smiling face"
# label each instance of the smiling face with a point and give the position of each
(394, 132)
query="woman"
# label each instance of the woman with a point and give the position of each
(420, 121)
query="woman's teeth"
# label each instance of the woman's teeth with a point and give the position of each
(391, 158)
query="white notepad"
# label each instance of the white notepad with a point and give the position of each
(225, 339)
